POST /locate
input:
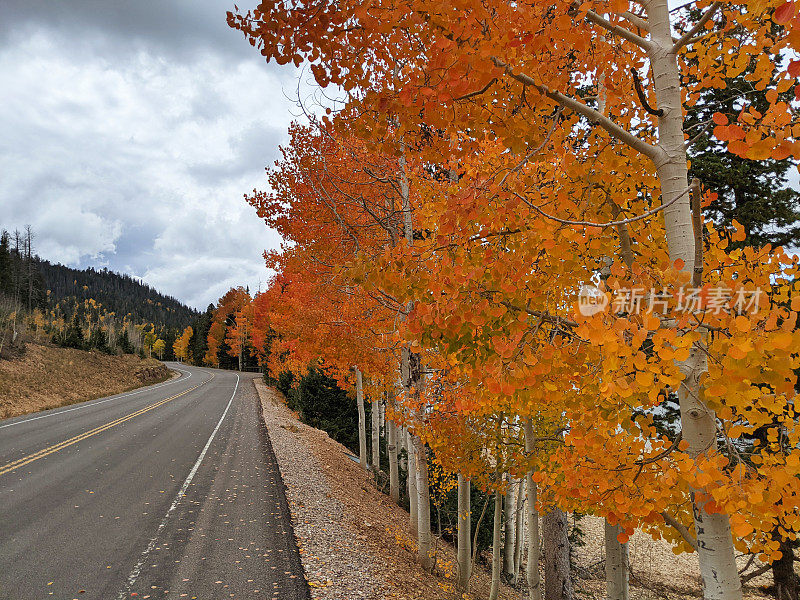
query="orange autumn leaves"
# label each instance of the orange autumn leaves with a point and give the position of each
(516, 203)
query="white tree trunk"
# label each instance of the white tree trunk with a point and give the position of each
(391, 447)
(464, 556)
(424, 538)
(519, 527)
(376, 435)
(698, 423)
(532, 566)
(510, 538)
(411, 480)
(498, 519)
(557, 581)
(362, 424)
(616, 564)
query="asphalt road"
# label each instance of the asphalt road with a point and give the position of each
(171, 491)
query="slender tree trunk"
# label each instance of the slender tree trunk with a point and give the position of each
(391, 447)
(510, 534)
(532, 566)
(557, 581)
(498, 519)
(616, 564)
(787, 583)
(519, 528)
(698, 423)
(464, 557)
(411, 480)
(424, 538)
(376, 435)
(362, 425)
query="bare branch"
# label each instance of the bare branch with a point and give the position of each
(687, 37)
(637, 85)
(579, 107)
(678, 526)
(691, 142)
(478, 92)
(697, 225)
(644, 215)
(635, 20)
(759, 571)
(618, 30)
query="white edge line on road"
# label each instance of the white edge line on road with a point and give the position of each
(134, 574)
(61, 412)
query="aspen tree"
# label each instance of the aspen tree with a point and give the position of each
(519, 528)
(510, 537)
(464, 556)
(532, 519)
(376, 434)
(494, 589)
(557, 579)
(616, 564)
(362, 425)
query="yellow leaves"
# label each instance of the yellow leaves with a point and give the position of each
(742, 529)
(644, 379)
(782, 340)
(739, 233)
(742, 323)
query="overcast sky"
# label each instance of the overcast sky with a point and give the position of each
(130, 132)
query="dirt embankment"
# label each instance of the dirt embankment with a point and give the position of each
(47, 377)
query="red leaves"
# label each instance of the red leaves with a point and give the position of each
(784, 13)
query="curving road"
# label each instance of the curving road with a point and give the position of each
(170, 491)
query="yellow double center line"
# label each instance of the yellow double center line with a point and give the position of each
(21, 462)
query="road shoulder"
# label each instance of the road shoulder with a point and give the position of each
(354, 540)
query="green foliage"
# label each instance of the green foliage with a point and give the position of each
(116, 292)
(98, 340)
(756, 193)
(124, 343)
(72, 337)
(285, 381)
(321, 403)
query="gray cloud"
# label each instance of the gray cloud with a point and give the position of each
(176, 28)
(131, 130)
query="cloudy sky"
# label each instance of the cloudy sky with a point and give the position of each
(130, 132)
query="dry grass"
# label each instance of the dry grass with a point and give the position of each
(47, 377)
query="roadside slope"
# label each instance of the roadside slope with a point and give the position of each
(48, 377)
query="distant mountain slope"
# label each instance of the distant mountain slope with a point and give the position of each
(116, 292)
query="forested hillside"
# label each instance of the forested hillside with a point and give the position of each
(117, 292)
(83, 309)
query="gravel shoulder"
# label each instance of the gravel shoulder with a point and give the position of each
(354, 541)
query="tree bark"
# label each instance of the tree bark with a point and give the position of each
(698, 423)
(532, 566)
(424, 538)
(498, 519)
(519, 527)
(362, 425)
(557, 581)
(394, 472)
(616, 564)
(464, 556)
(787, 583)
(510, 538)
(376, 435)
(411, 480)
